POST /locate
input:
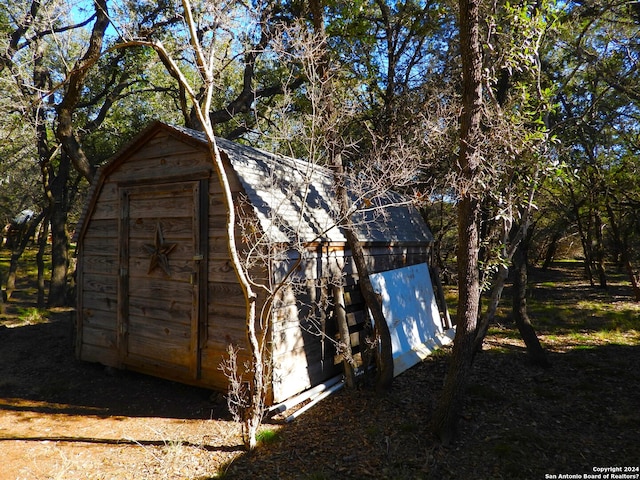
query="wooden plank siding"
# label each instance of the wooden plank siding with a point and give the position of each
(303, 350)
(178, 324)
(150, 321)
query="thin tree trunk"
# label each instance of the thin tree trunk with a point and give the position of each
(53, 197)
(2, 295)
(534, 348)
(20, 244)
(343, 329)
(586, 247)
(589, 254)
(487, 319)
(54, 189)
(515, 240)
(42, 246)
(635, 279)
(202, 104)
(440, 299)
(384, 351)
(2, 292)
(599, 254)
(624, 252)
(16, 253)
(258, 383)
(447, 412)
(551, 251)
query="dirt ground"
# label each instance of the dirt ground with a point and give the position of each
(65, 419)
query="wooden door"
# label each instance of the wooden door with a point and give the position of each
(162, 283)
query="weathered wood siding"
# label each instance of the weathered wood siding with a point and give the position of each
(304, 328)
(158, 286)
(176, 326)
(97, 271)
(176, 320)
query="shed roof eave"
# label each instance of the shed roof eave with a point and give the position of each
(345, 245)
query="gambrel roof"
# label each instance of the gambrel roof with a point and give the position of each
(294, 199)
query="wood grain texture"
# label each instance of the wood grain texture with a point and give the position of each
(178, 325)
(96, 354)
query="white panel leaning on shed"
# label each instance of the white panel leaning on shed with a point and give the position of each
(410, 309)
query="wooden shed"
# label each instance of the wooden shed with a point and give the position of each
(156, 290)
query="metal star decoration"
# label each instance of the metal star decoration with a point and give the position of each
(159, 252)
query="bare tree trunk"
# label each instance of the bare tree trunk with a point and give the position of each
(75, 83)
(500, 279)
(2, 299)
(254, 412)
(27, 231)
(535, 350)
(17, 249)
(635, 279)
(486, 320)
(551, 251)
(586, 247)
(599, 253)
(343, 329)
(42, 246)
(258, 386)
(624, 252)
(446, 416)
(58, 213)
(440, 299)
(383, 347)
(2, 293)
(384, 351)
(45, 156)
(16, 253)
(588, 252)
(201, 98)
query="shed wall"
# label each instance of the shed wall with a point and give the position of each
(304, 328)
(160, 160)
(303, 353)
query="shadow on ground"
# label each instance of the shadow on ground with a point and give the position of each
(39, 372)
(518, 422)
